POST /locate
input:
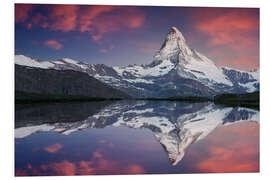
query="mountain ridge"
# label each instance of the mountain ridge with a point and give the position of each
(176, 70)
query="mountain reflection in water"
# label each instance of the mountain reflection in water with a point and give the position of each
(175, 125)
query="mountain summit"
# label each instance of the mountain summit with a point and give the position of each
(174, 43)
(188, 62)
(176, 71)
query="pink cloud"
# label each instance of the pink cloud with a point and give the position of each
(96, 165)
(224, 160)
(102, 141)
(97, 154)
(95, 20)
(105, 50)
(29, 26)
(88, 15)
(228, 33)
(230, 149)
(245, 62)
(22, 12)
(102, 50)
(35, 43)
(230, 28)
(21, 172)
(62, 168)
(62, 17)
(38, 18)
(221, 25)
(53, 44)
(44, 25)
(115, 18)
(53, 148)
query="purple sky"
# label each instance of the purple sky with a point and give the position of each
(122, 35)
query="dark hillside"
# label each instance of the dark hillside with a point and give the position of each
(41, 84)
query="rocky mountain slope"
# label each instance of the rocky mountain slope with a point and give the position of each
(67, 83)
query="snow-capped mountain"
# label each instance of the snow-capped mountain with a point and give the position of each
(176, 70)
(250, 81)
(175, 125)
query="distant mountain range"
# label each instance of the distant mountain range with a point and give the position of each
(176, 70)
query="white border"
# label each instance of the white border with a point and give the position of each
(7, 81)
(214, 3)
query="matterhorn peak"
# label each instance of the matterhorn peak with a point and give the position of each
(173, 46)
(175, 34)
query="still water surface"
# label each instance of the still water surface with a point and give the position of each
(134, 137)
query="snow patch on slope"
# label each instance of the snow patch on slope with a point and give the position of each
(250, 86)
(141, 72)
(26, 131)
(26, 61)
